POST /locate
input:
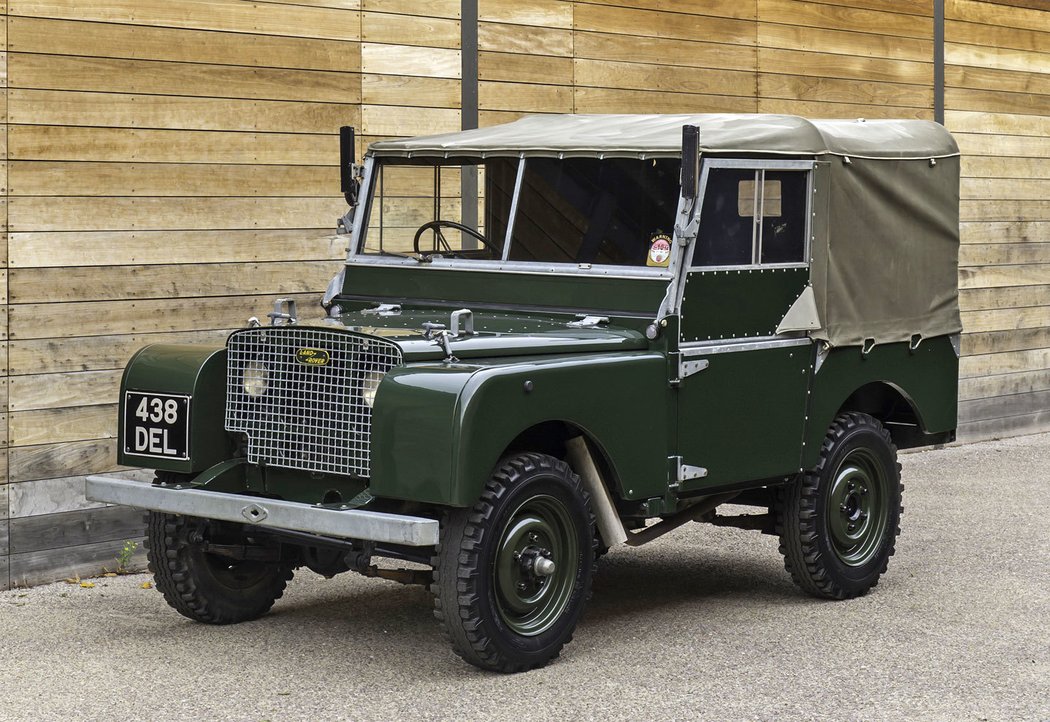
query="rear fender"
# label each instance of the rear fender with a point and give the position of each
(927, 377)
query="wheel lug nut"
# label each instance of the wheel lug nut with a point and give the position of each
(851, 486)
(842, 508)
(851, 527)
(521, 586)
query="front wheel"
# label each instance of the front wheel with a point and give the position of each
(204, 586)
(512, 574)
(838, 523)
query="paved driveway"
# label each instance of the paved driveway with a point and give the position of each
(702, 624)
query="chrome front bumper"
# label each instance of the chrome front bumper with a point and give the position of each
(269, 513)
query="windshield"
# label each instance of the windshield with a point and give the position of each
(616, 211)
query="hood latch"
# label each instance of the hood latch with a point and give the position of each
(583, 321)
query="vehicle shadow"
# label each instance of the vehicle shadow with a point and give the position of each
(631, 583)
(627, 583)
(382, 625)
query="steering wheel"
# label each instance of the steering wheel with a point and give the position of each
(437, 225)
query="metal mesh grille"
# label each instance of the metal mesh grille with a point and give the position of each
(309, 416)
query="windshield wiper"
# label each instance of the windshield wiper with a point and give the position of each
(398, 254)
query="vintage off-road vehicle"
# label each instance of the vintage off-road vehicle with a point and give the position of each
(559, 335)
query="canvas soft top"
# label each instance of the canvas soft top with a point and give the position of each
(885, 248)
(661, 135)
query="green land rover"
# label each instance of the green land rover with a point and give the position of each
(558, 335)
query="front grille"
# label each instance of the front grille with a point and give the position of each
(310, 416)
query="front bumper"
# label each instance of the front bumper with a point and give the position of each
(268, 513)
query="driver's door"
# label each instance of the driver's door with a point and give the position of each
(743, 388)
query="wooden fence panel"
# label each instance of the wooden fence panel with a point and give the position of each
(171, 168)
(5, 577)
(845, 59)
(681, 58)
(997, 102)
(525, 52)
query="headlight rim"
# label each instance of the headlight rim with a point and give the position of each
(255, 380)
(370, 387)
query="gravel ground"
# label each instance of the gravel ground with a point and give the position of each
(703, 624)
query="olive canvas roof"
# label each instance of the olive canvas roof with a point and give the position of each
(661, 135)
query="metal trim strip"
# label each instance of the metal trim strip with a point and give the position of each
(527, 268)
(706, 348)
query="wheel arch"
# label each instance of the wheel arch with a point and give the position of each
(550, 437)
(892, 406)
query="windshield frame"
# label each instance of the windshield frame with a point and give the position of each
(363, 211)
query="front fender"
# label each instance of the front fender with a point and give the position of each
(199, 372)
(412, 431)
(439, 430)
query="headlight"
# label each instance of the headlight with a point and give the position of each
(369, 387)
(255, 379)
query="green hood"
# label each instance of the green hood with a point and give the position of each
(495, 334)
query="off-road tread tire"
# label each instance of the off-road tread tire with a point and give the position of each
(795, 512)
(167, 543)
(456, 569)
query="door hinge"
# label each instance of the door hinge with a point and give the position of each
(679, 472)
(683, 367)
(687, 472)
(687, 368)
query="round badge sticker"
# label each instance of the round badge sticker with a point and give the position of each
(659, 250)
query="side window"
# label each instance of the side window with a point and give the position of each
(782, 237)
(752, 217)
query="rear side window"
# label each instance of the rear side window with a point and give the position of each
(752, 217)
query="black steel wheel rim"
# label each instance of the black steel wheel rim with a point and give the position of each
(536, 564)
(858, 508)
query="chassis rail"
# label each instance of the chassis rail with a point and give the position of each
(269, 513)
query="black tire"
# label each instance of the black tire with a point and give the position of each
(204, 587)
(532, 500)
(838, 523)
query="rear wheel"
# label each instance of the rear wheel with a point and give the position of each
(208, 587)
(512, 574)
(838, 523)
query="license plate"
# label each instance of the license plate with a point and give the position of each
(157, 425)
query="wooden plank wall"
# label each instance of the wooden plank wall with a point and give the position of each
(846, 58)
(171, 168)
(411, 70)
(641, 57)
(997, 102)
(4, 490)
